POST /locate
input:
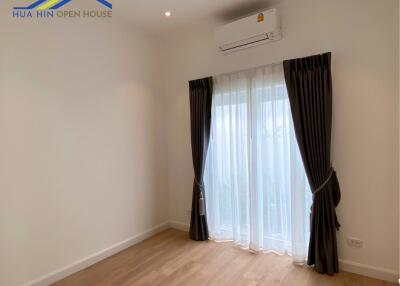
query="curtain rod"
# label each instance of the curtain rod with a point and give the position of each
(250, 68)
(260, 66)
(242, 70)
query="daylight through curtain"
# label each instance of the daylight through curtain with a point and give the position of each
(256, 190)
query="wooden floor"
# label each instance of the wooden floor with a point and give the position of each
(170, 258)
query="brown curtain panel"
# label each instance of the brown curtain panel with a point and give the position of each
(309, 85)
(200, 121)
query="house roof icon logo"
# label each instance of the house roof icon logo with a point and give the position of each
(56, 4)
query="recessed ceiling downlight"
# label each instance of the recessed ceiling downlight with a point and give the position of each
(167, 14)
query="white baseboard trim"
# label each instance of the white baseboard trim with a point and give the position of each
(79, 265)
(59, 274)
(179, 225)
(345, 265)
(368, 270)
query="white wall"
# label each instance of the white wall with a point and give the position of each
(363, 37)
(81, 157)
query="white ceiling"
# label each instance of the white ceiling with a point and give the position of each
(149, 14)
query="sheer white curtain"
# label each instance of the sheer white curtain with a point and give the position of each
(257, 193)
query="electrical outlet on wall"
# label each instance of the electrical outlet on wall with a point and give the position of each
(355, 242)
(188, 212)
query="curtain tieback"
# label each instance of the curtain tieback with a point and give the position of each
(201, 186)
(202, 206)
(324, 183)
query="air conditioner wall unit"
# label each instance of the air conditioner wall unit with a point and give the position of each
(257, 29)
